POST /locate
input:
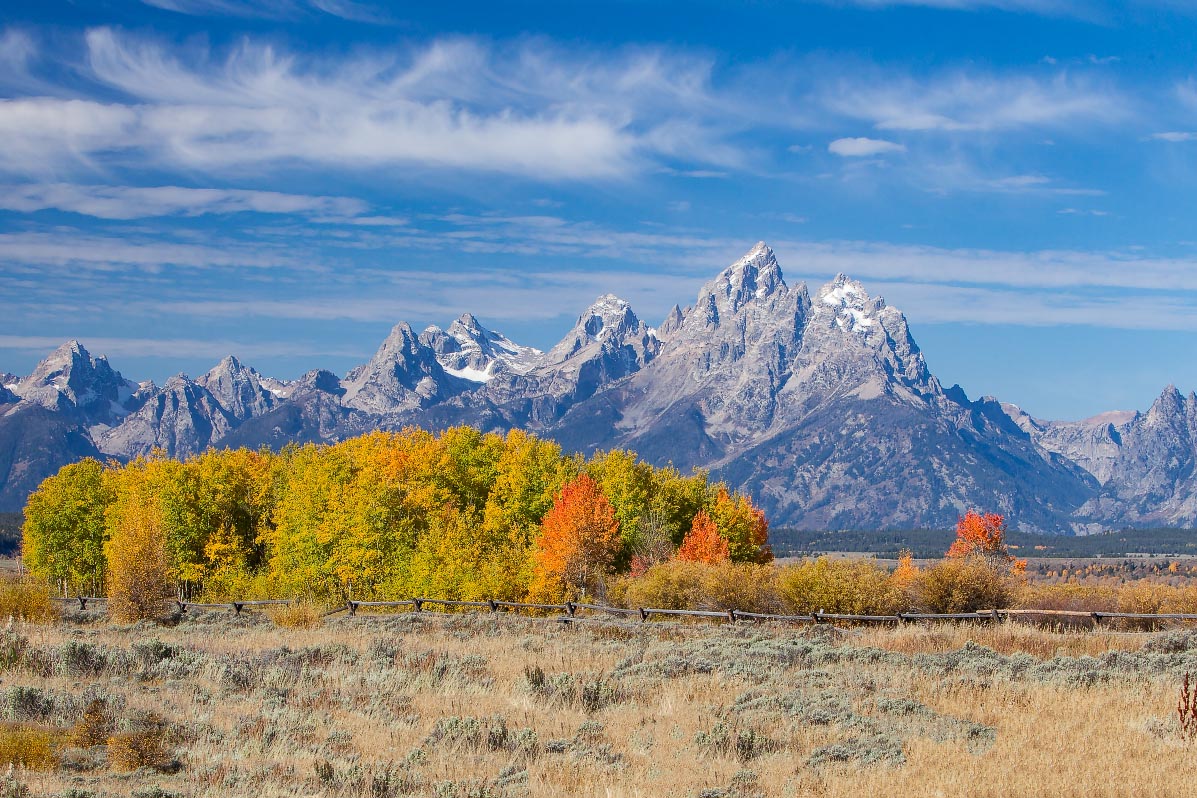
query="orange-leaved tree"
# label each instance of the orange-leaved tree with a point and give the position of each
(579, 540)
(984, 535)
(703, 543)
(743, 526)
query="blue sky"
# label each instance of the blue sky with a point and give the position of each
(286, 179)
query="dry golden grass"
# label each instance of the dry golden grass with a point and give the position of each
(298, 615)
(485, 705)
(1004, 638)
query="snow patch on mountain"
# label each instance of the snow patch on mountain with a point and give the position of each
(469, 351)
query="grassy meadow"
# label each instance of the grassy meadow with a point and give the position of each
(475, 704)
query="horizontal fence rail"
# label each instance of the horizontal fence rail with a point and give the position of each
(571, 609)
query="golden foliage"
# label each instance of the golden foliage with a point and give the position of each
(906, 572)
(382, 516)
(743, 526)
(129, 751)
(139, 573)
(856, 587)
(680, 585)
(963, 584)
(94, 727)
(23, 745)
(26, 599)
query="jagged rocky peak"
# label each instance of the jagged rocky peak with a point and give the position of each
(753, 280)
(316, 380)
(71, 379)
(182, 418)
(754, 276)
(239, 389)
(1168, 408)
(849, 305)
(851, 337)
(672, 322)
(403, 374)
(472, 352)
(608, 319)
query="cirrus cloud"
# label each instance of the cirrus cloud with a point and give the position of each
(863, 147)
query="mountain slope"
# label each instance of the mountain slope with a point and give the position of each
(824, 409)
(820, 405)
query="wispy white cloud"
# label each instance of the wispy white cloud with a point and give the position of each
(128, 202)
(530, 110)
(273, 9)
(975, 102)
(117, 253)
(16, 50)
(953, 175)
(863, 147)
(1175, 136)
(1033, 6)
(945, 304)
(176, 348)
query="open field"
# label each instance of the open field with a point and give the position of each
(931, 543)
(486, 705)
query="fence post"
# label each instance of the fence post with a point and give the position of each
(1097, 620)
(819, 616)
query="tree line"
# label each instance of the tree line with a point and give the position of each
(460, 514)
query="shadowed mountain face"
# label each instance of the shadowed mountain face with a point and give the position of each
(818, 403)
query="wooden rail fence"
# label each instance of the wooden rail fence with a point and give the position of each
(571, 610)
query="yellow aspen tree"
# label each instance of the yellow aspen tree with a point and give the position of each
(140, 581)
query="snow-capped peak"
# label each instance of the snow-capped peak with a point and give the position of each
(472, 352)
(854, 309)
(608, 320)
(757, 272)
(70, 379)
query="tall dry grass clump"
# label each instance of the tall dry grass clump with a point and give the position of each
(297, 615)
(26, 599)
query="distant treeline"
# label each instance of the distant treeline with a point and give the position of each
(10, 534)
(932, 543)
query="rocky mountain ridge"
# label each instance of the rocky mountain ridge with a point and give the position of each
(820, 405)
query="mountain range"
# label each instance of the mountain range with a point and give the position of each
(820, 405)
